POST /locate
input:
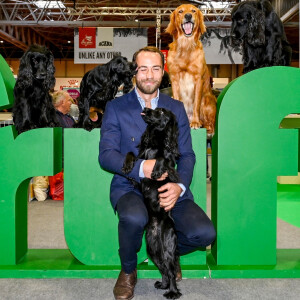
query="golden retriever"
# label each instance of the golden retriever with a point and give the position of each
(187, 67)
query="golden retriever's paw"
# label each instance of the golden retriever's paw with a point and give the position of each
(195, 125)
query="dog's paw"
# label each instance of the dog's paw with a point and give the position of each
(159, 285)
(195, 125)
(129, 162)
(173, 176)
(156, 174)
(127, 168)
(172, 295)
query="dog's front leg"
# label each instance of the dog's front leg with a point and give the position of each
(159, 168)
(175, 86)
(129, 162)
(196, 122)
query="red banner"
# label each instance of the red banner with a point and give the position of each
(87, 37)
(165, 53)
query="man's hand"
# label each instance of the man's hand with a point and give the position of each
(169, 193)
(148, 168)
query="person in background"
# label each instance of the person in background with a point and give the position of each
(62, 102)
(74, 111)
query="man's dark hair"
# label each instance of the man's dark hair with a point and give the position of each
(149, 49)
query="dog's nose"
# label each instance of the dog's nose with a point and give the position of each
(188, 17)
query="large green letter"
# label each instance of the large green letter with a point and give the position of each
(249, 152)
(21, 157)
(91, 227)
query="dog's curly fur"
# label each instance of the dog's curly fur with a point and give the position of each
(160, 142)
(33, 106)
(260, 31)
(100, 85)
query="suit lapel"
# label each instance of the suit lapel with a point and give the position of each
(163, 102)
(135, 110)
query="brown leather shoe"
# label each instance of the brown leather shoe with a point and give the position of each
(124, 287)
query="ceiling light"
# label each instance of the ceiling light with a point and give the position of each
(69, 42)
(49, 4)
(1, 42)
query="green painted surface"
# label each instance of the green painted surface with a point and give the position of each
(32, 153)
(7, 83)
(249, 152)
(89, 220)
(198, 188)
(51, 263)
(288, 203)
(91, 227)
(288, 266)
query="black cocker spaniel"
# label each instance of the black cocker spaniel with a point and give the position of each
(33, 106)
(260, 31)
(160, 142)
(100, 85)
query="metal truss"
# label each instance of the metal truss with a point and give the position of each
(27, 13)
(23, 22)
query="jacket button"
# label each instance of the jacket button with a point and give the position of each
(132, 139)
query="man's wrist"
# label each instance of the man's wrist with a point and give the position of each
(183, 189)
(141, 171)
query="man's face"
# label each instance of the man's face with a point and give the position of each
(67, 102)
(150, 72)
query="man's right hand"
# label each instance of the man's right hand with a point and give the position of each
(148, 168)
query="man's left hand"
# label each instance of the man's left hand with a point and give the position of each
(169, 193)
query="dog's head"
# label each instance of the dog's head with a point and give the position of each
(248, 23)
(121, 67)
(186, 20)
(122, 71)
(158, 118)
(37, 64)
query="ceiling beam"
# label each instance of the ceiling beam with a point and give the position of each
(75, 24)
(293, 11)
(22, 37)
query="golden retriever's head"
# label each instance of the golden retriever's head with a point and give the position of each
(186, 20)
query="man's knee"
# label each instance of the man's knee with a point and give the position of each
(134, 219)
(203, 236)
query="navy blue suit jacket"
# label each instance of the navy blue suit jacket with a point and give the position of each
(121, 132)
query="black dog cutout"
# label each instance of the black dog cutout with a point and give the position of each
(100, 85)
(260, 31)
(160, 142)
(33, 106)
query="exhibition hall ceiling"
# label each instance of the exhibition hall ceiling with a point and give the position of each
(52, 22)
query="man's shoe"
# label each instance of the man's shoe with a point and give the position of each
(124, 287)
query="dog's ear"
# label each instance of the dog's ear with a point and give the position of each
(171, 140)
(25, 75)
(256, 29)
(201, 27)
(51, 70)
(172, 28)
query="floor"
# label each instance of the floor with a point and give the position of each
(45, 230)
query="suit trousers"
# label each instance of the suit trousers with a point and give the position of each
(193, 227)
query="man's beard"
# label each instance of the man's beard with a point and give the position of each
(148, 89)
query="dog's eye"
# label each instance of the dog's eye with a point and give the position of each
(193, 11)
(180, 12)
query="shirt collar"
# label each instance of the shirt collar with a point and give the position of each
(154, 101)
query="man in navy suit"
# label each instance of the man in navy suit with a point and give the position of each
(121, 133)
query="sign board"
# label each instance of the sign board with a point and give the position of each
(100, 45)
